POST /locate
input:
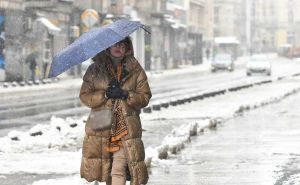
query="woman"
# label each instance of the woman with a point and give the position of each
(117, 80)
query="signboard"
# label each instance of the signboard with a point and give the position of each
(89, 17)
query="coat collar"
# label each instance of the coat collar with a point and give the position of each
(131, 65)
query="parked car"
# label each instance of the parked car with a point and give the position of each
(222, 62)
(259, 64)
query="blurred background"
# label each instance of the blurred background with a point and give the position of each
(184, 32)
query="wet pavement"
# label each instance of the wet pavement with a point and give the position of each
(260, 147)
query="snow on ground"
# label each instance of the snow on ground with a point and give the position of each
(57, 135)
(47, 162)
(293, 179)
(35, 150)
(48, 153)
(226, 106)
(173, 142)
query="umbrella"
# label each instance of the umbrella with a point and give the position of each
(91, 43)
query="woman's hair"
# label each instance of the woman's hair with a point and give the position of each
(126, 41)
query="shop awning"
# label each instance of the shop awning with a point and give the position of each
(52, 29)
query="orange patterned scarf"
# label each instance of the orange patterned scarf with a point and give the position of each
(119, 128)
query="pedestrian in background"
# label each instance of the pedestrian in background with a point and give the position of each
(207, 53)
(32, 67)
(115, 78)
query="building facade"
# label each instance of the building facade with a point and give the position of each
(36, 29)
(12, 35)
(196, 27)
(227, 18)
(267, 16)
(181, 31)
(276, 24)
(208, 34)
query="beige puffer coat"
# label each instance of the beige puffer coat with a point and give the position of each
(96, 162)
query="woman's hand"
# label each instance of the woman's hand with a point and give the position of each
(114, 91)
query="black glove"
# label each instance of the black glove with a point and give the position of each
(114, 91)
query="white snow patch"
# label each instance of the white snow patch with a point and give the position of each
(58, 134)
(293, 179)
(225, 106)
(47, 162)
(42, 154)
(173, 142)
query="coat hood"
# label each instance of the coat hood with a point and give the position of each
(104, 55)
(130, 61)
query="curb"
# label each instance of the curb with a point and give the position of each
(29, 83)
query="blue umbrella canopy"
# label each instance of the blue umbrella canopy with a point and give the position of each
(91, 43)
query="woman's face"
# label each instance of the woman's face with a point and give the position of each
(118, 50)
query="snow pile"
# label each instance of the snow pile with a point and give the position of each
(44, 149)
(269, 100)
(226, 106)
(58, 134)
(174, 142)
